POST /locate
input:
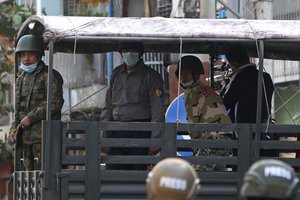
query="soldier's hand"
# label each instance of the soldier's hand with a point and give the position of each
(25, 122)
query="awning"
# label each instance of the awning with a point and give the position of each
(103, 34)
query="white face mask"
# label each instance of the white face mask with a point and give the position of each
(187, 84)
(131, 58)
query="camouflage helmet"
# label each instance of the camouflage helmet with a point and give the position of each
(190, 62)
(30, 43)
(172, 178)
(270, 178)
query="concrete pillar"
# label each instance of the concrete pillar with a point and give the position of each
(264, 9)
(177, 9)
(208, 9)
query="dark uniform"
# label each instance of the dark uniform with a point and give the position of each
(133, 97)
(240, 95)
(31, 101)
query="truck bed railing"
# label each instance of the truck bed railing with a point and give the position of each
(74, 167)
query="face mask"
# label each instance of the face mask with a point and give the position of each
(187, 84)
(28, 68)
(131, 58)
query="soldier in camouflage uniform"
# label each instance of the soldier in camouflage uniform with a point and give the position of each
(203, 105)
(31, 97)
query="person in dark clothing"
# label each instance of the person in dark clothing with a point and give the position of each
(240, 94)
(135, 94)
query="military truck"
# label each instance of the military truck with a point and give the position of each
(82, 176)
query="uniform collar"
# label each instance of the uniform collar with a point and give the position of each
(40, 67)
(138, 66)
(250, 65)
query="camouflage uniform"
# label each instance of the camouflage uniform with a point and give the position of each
(204, 105)
(31, 101)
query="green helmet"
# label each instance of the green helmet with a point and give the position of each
(190, 62)
(270, 178)
(30, 43)
(172, 178)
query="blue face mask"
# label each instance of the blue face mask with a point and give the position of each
(131, 58)
(187, 84)
(28, 68)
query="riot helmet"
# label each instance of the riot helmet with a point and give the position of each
(190, 62)
(30, 43)
(172, 178)
(270, 179)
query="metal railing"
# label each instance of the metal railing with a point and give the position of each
(74, 168)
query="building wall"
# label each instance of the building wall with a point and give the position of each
(287, 9)
(83, 78)
(136, 8)
(287, 103)
(286, 73)
(53, 7)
